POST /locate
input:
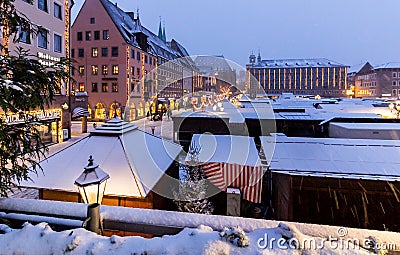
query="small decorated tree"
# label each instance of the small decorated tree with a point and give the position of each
(192, 194)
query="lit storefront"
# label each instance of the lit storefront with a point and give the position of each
(50, 127)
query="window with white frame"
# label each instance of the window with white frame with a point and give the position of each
(57, 11)
(57, 43)
(394, 74)
(42, 38)
(42, 5)
(24, 36)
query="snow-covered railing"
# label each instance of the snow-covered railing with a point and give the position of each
(157, 222)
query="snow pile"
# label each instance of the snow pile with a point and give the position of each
(41, 239)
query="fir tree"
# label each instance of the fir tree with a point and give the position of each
(25, 85)
(192, 195)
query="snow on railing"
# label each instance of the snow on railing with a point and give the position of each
(159, 222)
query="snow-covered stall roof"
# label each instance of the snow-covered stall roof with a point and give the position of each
(134, 159)
(367, 126)
(335, 157)
(230, 149)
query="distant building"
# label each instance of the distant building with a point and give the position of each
(317, 76)
(114, 52)
(378, 81)
(216, 74)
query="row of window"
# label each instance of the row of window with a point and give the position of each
(95, 52)
(104, 87)
(42, 39)
(96, 35)
(396, 75)
(95, 70)
(147, 59)
(43, 5)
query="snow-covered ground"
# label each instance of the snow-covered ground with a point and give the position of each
(284, 239)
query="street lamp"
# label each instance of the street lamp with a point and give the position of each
(153, 127)
(91, 185)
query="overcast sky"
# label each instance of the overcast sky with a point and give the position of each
(346, 31)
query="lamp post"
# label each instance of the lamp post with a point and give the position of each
(91, 185)
(153, 127)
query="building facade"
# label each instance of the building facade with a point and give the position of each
(121, 64)
(49, 45)
(299, 76)
(378, 81)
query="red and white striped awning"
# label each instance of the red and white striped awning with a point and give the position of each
(246, 178)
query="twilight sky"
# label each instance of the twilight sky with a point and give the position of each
(346, 31)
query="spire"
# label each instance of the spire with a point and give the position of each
(259, 57)
(137, 13)
(163, 34)
(160, 31)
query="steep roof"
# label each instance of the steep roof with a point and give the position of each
(134, 159)
(129, 27)
(296, 63)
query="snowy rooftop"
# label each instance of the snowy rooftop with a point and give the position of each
(335, 157)
(239, 150)
(368, 126)
(295, 63)
(134, 159)
(129, 26)
(388, 65)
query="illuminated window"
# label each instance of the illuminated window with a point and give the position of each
(95, 52)
(81, 87)
(57, 43)
(57, 11)
(88, 35)
(95, 70)
(42, 5)
(106, 36)
(115, 69)
(104, 69)
(114, 87)
(79, 36)
(42, 38)
(81, 70)
(104, 87)
(97, 35)
(94, 87)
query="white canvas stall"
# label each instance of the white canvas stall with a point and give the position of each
(134, 159)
